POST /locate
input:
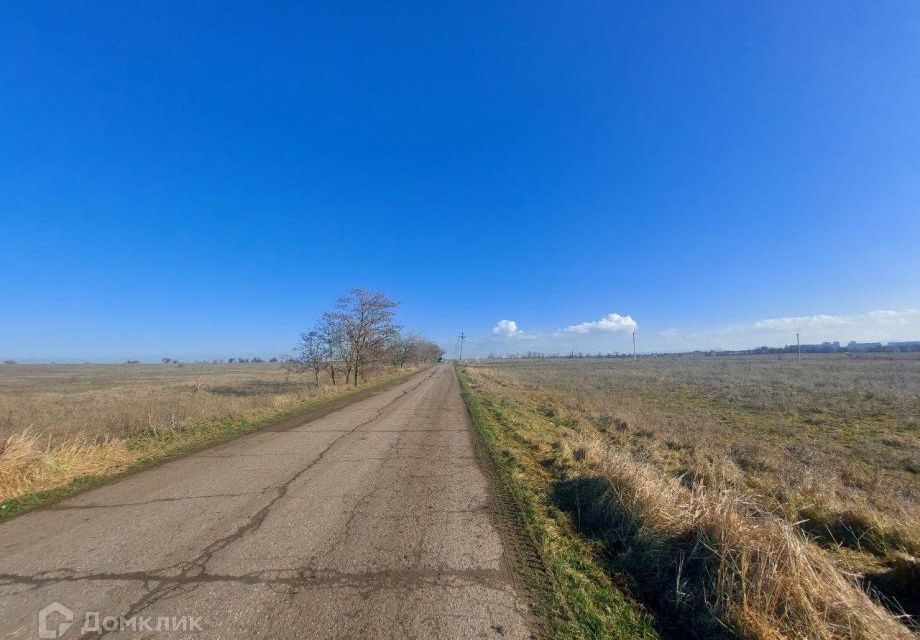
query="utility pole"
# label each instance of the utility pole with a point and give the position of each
(798, 345)
(634, 346)
(461, 338)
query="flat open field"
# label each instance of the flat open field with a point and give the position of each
(66, 424)
(826, 449)
(115, 399)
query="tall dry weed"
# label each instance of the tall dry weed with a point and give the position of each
(721, 562)
(29, 462)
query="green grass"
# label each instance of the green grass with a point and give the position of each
(573, 592)
(159, 446)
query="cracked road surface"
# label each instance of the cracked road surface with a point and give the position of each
(373, 521)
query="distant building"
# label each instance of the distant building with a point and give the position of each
(909, 345)
(864, 346)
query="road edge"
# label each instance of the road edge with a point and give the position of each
(312, 409)
(528, 570)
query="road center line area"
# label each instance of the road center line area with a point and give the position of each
(372, 521)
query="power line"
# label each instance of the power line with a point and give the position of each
(461, 338)
(634, 346)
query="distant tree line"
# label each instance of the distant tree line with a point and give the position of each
(254, 360)
(358, 333)
(911, 346)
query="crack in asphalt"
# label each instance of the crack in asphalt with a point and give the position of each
(299, 578)
(407, 533)
(194, 568)
(206, 496)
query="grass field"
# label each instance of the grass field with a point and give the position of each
(104, 400)
(758, 495)
(63, 426)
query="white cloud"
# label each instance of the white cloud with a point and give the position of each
(820, 321)
(863, 321)
(506, 328)
(610, 323)
(887, 316)
(611, 333)
(880, 325)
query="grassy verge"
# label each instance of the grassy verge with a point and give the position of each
(573, 592)
(79, 466)
(707, 560)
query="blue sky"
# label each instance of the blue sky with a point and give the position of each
(202, 179)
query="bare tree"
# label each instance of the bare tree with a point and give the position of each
(366, 319)
(425, 351)
(336, 347)
(360, 332)
(414, 349)
(404, 349)
(311, 353)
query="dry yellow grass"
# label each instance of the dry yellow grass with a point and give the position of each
(97, 400)
(834, 442)
(29, 463)
(63, 422)
(768, 582)
(696, 474)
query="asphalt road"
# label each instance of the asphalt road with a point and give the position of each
(373, 521)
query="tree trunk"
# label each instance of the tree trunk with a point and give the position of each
(356, 373)
(332, 373)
